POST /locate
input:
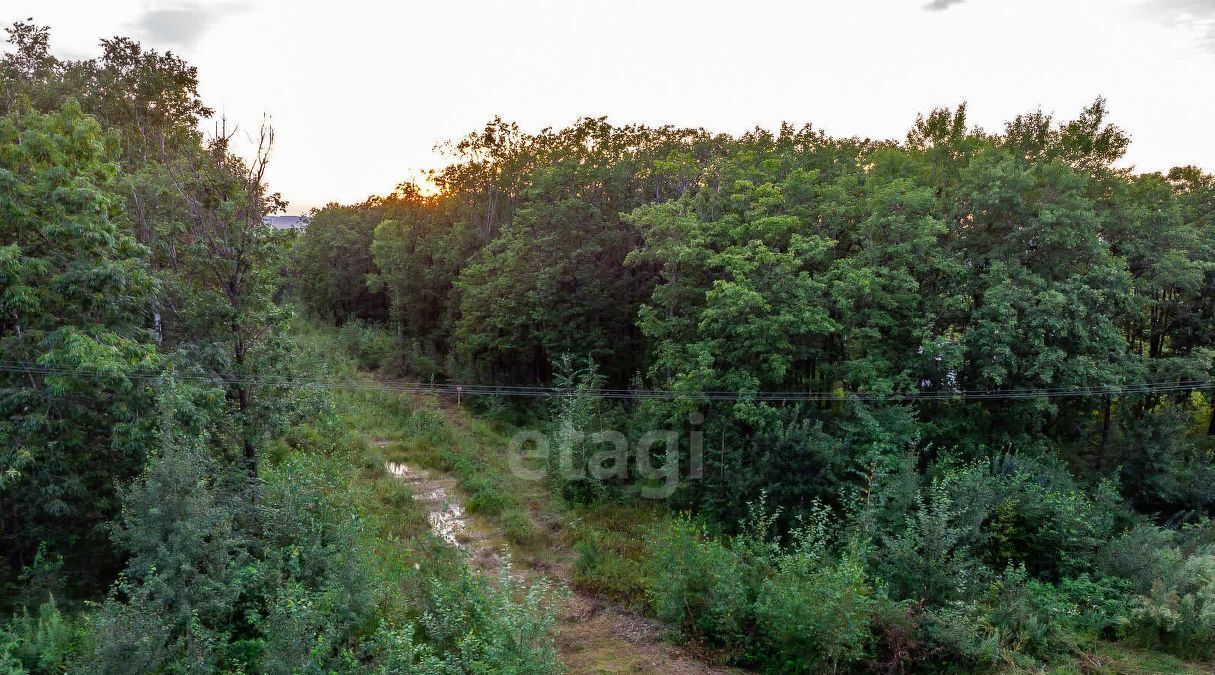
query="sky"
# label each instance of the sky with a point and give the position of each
(360, 93)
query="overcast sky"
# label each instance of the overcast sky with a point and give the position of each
(360, 92)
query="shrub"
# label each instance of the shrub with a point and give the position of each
(45, 642)
(472, 625)
(960, 633)
(613, 544)
(428, 421)
(699, 585)
(932, 558)
(1172, 576)
(485, 495)
(1040, 518)
(1032, 619)
(576, 417)
(1102, 605)
(1178, 613)
(897, 629)
(1141, 556)
(372, 346)
(814, 612)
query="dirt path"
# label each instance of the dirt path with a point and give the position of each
(592, 636)
(596, 637)
(448, 519)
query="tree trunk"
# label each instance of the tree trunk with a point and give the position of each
(244, 402)
(8, 533)
(1105, 433)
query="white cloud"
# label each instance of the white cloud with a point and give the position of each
(942, 5)
(1197, 15)
(182, 25)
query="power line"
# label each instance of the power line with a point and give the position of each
(453, 389)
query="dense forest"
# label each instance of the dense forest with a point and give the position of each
(902, 276)
(1003, 342)
(949, 398)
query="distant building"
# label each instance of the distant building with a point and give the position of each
(285, 222)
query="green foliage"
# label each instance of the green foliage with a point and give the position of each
(372, 347)
(1169, 576)
(472, 627)
(43, 642)
(74, 293)
(612, 543)
(149, 425)
(1031, 620)
(797, 608)
(208, 584)
(333, 261)
(957, 260)
(556, 247)
(699, 585)
(583, 468)
(814, 611)
(932, 558)
(607, 572)
(298, 584)
(811, 605)
(518, 527)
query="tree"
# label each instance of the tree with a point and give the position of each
(75, 289)
(221, 316)
(334, 256)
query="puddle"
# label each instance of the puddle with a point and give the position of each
(446, 516)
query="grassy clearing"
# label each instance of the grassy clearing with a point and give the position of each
(612, 547)
(420, 432)
(474, 452)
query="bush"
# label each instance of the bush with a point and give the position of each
(1178, 612)
(613, 544)
(1031, 618)
(1168, 580)
(1041, 519)
(898, 643)
(318, 541)
(960, 633)
(428, 421)
(471, 626)
(814, 613)
(1101, 603)
(1022, 621)
(46, 642)
(485, 495)
(795, 608)
(576, 417)
(932, 559)
(1141, 556)
(700, 586)
(372, 346)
